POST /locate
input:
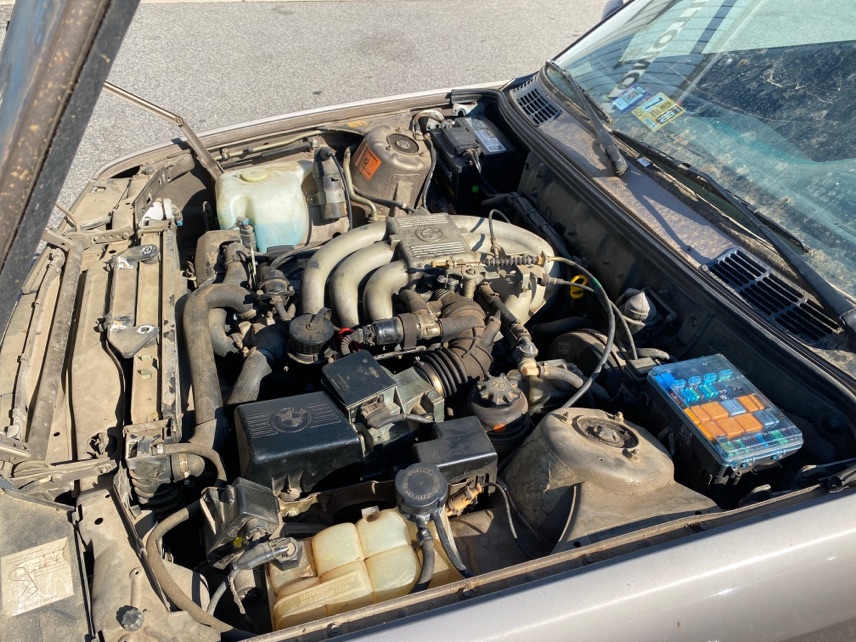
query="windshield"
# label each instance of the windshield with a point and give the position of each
(757, 93)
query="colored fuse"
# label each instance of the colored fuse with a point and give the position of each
(749, 423)
(711, 430)
(755, 441)
(710, 377)
(767, 417)
(751, 403)
(693, 417)
(730, 428)
(725, 375)
(708, 390)
(714, 410)
(666, 380)
(701, 413)
(690, 395)
(728, 446)
(679, 384)
(694, 380)
(733, 407)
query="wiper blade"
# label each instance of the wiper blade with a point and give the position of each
(844, 310)
(703, 179)
(604, 137)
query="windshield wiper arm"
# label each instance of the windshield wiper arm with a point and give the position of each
(696, 175)
(604, 137)
(832, 299)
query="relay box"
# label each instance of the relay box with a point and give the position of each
(723, 420)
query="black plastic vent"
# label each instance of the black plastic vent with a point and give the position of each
(535, 103)
(773, 296)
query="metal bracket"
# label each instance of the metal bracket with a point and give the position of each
(58, 475)
(128, 259)
(13, 450)
(57, 240)
(129, 339)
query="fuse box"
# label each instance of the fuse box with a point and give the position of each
(720, 419)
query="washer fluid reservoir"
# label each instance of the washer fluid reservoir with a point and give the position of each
(347, 566)
(271, 197)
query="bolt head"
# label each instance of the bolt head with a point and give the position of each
(132, 619)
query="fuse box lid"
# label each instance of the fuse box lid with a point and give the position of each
(720, 409)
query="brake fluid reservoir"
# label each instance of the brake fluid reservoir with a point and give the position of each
(271, 197)
(347, 566)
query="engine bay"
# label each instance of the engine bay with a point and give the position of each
(364, 361)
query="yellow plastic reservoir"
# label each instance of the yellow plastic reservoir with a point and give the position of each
(347, 566)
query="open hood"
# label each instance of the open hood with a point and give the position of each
(56, 56)
(456, 364)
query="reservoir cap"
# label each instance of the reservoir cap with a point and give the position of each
(421, 489)
(255, 175)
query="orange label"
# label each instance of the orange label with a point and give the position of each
(367, 163)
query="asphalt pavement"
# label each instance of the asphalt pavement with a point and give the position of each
(222, 63)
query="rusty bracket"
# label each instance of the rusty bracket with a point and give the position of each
(129, 259)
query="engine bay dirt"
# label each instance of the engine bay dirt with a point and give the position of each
(360, 365)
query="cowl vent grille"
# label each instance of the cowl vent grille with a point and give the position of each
(535, 103)
(773, 296)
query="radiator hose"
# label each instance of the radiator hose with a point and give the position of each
(211, 425)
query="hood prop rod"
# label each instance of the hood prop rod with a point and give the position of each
(202, 153)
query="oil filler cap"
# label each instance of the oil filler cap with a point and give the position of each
(421, 489)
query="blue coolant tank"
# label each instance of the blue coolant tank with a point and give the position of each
(271, 196)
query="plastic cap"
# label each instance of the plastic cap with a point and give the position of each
(421, 489)
(255, 175)
(639, 307)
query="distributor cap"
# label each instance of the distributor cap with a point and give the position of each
(421, 489)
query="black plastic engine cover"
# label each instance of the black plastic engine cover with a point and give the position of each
(460, 448)
(294, 442)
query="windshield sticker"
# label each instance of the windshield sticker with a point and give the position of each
(658, 111)
(629, 98)
(644, 61)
